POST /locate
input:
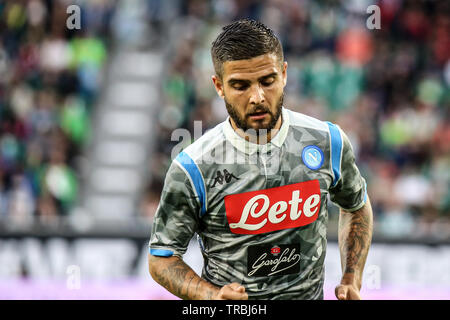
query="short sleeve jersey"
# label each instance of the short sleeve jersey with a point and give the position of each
(259, 210)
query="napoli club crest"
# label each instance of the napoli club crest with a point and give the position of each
(312, 157)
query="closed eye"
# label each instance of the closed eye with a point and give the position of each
(240, 87)
(238, 84)
(267, 81)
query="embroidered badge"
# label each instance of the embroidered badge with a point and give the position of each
(312, 157)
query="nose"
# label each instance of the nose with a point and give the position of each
(257, 95)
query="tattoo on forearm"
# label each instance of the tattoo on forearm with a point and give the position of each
(174, 277)
(196, 287)
(191, 276)
(179, 278)
(354, 239)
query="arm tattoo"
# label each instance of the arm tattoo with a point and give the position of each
(177, 277)
(174, 277)
(355, 236)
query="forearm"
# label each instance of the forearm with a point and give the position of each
(355, 237)
(178, 278)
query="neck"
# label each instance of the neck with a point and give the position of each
(260, 138)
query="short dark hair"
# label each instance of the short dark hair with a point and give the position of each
(244, 39)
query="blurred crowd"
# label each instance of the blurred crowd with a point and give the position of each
(388, 89)
(50, 76)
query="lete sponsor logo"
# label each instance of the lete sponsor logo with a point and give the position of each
(262, 211)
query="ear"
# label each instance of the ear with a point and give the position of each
(218, 85)
(284, 73)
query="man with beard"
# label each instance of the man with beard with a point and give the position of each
(255, 189)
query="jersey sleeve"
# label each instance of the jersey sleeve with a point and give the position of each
(177, 216)
(349, 191)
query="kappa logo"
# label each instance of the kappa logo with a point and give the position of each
(273, 209)
(223, 177)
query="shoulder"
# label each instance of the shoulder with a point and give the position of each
(190, 158)
(299, 120)
(208, 141)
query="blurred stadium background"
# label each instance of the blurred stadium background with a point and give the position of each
(87, 115)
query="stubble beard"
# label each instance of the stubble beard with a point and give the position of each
(242, 123)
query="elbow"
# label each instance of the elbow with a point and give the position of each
(156, 264)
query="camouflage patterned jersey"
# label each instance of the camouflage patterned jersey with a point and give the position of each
(260, 210)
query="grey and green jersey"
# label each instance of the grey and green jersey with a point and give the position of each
(259, 210)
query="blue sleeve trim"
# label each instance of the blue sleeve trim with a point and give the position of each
(336, 149)
(194, 172)
(365, 192)
(161, 252)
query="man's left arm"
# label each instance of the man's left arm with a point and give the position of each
(355, 237)
(349, 192)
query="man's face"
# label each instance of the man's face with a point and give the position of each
(253, 91)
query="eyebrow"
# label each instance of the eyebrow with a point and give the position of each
(233, 80)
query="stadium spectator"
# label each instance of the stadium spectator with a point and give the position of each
(49, 79)
(388, 89)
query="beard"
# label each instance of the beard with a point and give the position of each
(243, 123)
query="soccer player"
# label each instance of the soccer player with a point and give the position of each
(255, 189)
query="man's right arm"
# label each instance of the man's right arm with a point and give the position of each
(177, 277)
(175, 222)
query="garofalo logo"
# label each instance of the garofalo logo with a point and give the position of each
(269, 260)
